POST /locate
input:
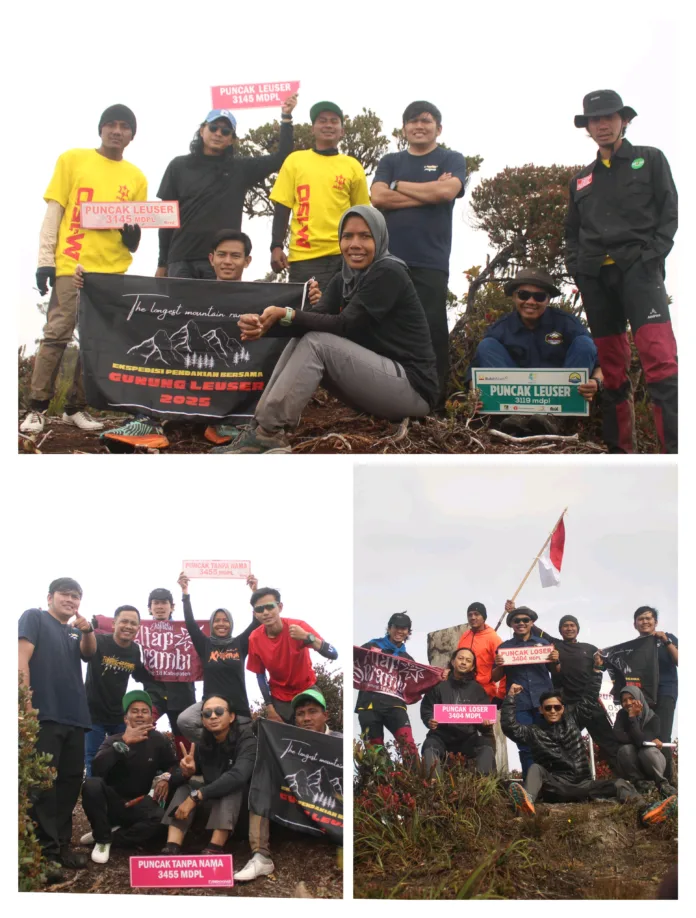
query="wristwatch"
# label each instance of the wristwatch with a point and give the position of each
(394, 185)
(668, 641)
(287, 318)
(196, 796)
(309, 639)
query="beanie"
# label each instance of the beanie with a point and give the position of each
(568, 618)
(118, 113)
(478, 607)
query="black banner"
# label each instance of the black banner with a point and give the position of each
(298, 779)
(634, 663)
(170, 347)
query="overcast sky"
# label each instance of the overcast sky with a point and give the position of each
(508, 80)
(432, 539)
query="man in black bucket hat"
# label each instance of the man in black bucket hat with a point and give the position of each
(620, 226)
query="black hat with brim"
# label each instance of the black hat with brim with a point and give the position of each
(525, 610)
(534, 276)
(603, 102)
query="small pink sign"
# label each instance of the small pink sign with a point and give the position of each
(253, 95)
(181, 870)
(515, 656)
(465, 713)
(113, 214)
(218, 570)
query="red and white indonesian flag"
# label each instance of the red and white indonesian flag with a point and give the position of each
(552, 558)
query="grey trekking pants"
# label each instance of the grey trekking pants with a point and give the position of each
(359, 377)
(224, 811)
(558, 790)
(645, 764)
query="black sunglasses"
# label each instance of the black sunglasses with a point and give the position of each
(225, 131)
(525, 295)
(521, 621)
(208, 713)
(266, 607)
(553, 707)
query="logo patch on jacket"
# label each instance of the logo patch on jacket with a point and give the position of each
(638, 163)
(554, 338)
(584, 182)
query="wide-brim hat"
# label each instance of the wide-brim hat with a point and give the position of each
(603, 102)
(525, 610)
(534, 276)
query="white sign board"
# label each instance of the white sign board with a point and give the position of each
(96, 215)
(218, 570)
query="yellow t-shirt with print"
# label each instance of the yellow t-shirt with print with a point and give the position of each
(608, 260)
(318, 189)
(85, 175)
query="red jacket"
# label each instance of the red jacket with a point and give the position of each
(484, 644)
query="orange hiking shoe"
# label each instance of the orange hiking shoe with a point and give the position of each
(142, 432)
(523, 802)
(659, 812)
(221, 433)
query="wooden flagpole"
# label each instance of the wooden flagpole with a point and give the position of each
(531, 567)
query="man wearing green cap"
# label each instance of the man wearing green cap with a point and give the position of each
(620, 226)
(116, 798)
(316, 186)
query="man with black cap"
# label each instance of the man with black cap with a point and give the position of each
(534, 678)
(417, 188)
(170, 698)
(53, 644)
(116, 799)
(210, 184)
(620, 226)
(484, 642)
(315, 186)
(573, 677)
(375, 710)
(79, 176)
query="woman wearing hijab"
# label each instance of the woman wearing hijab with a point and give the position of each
(475, 741)
(223, 658)
(366, 340)
(636, 724)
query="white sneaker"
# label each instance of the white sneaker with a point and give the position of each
(82, 420)
(258, 866)
(33, 423)
(100, 853)
(88, 839)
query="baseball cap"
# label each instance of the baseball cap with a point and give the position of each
(221, 113)
(136, 695)
(312, 693)
(400, 619)
(320, 107)
(160, 593)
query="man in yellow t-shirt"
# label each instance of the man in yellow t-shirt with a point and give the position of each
(316, 186)
(80, 175)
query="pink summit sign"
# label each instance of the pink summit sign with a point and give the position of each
(162, 870)
(465, 713)
(253, 95)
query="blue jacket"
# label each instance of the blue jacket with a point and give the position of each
(533, 677)
(546, 345)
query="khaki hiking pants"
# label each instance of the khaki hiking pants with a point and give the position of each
(57, 334)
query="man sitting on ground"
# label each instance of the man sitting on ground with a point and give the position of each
(116, 798)
(561, 769)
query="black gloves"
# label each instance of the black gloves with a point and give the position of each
(44, 276)
(130, 234)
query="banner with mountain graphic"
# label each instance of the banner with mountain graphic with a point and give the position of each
(298, 779)
(634, 663)
(170, 347)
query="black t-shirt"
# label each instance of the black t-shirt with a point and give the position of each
(55, 671)
(422, 236)
(223, 666)
(131, 773)
(107, 678)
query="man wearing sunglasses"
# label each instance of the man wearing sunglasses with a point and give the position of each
(536, 335)
(620, 227)
(210, 184)
(560, 772)
(281, 649)
(534, 678)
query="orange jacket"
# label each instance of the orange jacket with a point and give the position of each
(484, 644)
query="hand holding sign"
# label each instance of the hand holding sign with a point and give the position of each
(289, 104)
(183, 582)
(188, 761)
(554, 656)
(313, 292)
(252, 583)
(432, 724)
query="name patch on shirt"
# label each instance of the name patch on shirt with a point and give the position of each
(554, 338)
(430, 168)
(584, 182)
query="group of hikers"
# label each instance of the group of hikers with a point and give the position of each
(377, 265)
(138, 784)
(544, 706)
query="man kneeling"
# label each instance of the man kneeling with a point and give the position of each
(116, 798)
(225, 759)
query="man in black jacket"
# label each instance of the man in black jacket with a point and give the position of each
(620, 226)
(561, 770)
(210, 184)
(470, 740)
(116, 798)
(225, 758)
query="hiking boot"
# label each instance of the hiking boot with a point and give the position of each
(523, 802)
(72, 859)
(88, 839)
(255, 441)
(53, 873)
(658, 812)
(516, 425)
(171, 848)
(82, 420)
(644, 787)
(142, 432)
(100, 852)
(667, 790)
(33, 423)
(222, 433)
(259, 866)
